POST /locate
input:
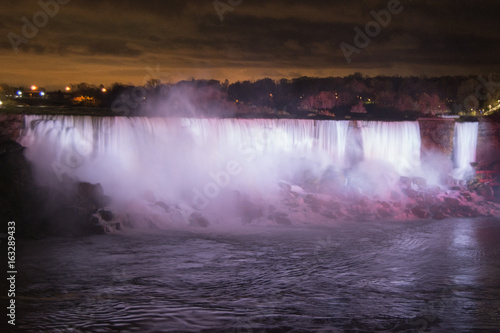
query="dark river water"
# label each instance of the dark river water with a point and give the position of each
(412, 276)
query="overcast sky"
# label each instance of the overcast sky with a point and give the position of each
(128, 41)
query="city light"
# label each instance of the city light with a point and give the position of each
(33, 87)
(67, 88)
(103, 90)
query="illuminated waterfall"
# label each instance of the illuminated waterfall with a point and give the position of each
(465, 143)
(171, 156)
(395, 143)
(178, 158)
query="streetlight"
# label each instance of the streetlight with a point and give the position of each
(33, 87)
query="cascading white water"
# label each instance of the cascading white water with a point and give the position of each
(180, 158)
(332, 137)
(170, 169)
(389, 150)
(465, 143)
(395, 143)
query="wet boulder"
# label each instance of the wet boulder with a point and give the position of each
(383, 212)
(451, 203)
(465, 211)
(330, 215)
(404, 182)
(420, 212)
(384, 209)
(466, 195)
(485, 191)
(249, 211)
(315, 203)
(439, 211)
(409, 192)
(385, 204)
(92, 195)
(106, 215)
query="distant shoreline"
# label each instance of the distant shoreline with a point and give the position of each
(57, 110)
(108, 112)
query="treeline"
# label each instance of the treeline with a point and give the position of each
(304, 96)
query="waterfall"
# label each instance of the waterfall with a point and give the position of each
(234, 167)
(465, 143)
(179, 158)
(175, 156)
(395, 143)
(183, 158)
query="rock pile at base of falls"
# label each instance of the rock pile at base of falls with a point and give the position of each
(290, 204)
(82, 212)
(411, 199)
(81, 208)
(41, 211)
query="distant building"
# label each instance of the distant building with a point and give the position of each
(31, 94)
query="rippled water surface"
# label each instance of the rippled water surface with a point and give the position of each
(411, 276)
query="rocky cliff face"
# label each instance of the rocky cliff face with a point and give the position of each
(437, 136)
(20, 198)
(41, 211)
(488, 145)
(10, 127)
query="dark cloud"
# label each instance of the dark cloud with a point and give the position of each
(255, 39)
